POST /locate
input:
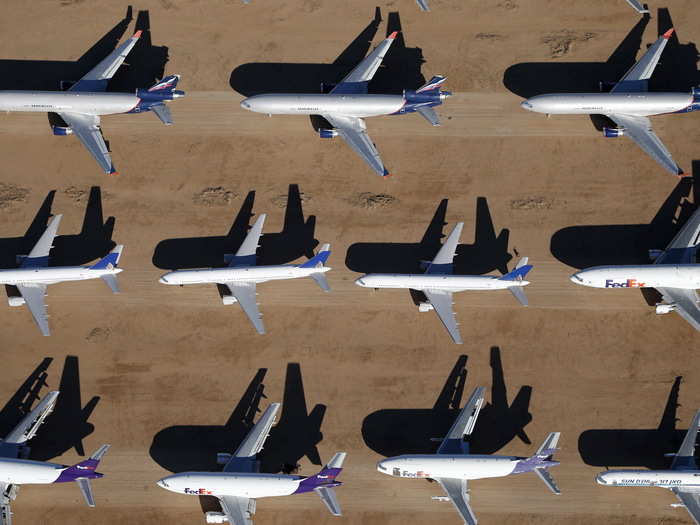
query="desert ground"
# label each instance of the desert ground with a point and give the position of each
(169, 376)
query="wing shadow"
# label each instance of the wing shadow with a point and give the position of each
(635, 447)
(489, 251)
(185, 448)
(392, 432)
(20, 404)
(295, 240)
(401, 68)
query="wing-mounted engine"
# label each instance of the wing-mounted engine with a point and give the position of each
(425, 307)
(327, 133)
(663, 308)
(215, 517)
(612, 133)
(14, 300)
(61, 130)
(228, 299)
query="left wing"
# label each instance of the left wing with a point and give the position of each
(681, 250)
(28, 427)
(637, 6)
(238, 510)
(639, 130)
(245, 256)
(423, 4)
(442, 304)
(464, 424)
(690, 500)
(87, 129)
(33, 295)
(354, 132)
(254, 441)
(685, 457)
(685, 302)
(98, 77)
(456, 490)
(443, 261)
(245, 293)
(637, 77)
(356, 81)
(39, 256)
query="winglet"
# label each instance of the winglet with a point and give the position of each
(137, 34)
(392, 36)
(668, 33)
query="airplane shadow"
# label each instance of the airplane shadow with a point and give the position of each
(22, 400)
(401, 67)
(635, 447)
(145, 61)
(676, 71)
(186, 448)
(489, 251)
(392, 432)
(295, 240)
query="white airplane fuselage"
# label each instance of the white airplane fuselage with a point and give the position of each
(650, 478)
(25, 471)
(361, 105)
(685, 276)
(239, 484)
(453, 283)
(241, 274)
(640, 103)
(68, 101)
(51, 275)
(444, 466)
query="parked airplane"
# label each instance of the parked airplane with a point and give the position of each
(628, 104)
(452, 466)
(34, 275)
(681, 479)
(242, 275)
(637, 6)
(438, 283)
(81, 106)
(241, 483)
(348, 102)
(675, 273)
(16, 470)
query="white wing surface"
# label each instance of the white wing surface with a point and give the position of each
(685, 457)
(87, 129)
(239, 511)
(33, 295)
(27, 428)
(445, 257)
(39, 256)
(366, 69)
(637, 6)
(354, 132)
(464, 424)
(687, 237)
(685, 302)
(423, 4)
(246, 295)
(690, 500)
(5, 510)
(456, 490)
(97, 78)
(330, 500)
(245, 256)
(640, 131)
(636, 78)
(254, 441)
(442, 304)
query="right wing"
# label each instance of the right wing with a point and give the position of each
(354, 132)
(254, 441)
(637, 6)
(423, 4)
(33, 295)
(464, 424)
(456, 490)
(636, 78)
(39, 256)
(677, 251)
(239, 511)
(7, 493)
(98, 77)
(442, 263)
(245, 256)
(686, 304)
(87, 129)
(691, 501)
(356, 81)
(245, 293)
(442, 304)
(639, 130)
(685, 457)
(27, 428)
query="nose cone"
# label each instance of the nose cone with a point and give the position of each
(163, 280)
(576, 278)
(600, 479)
(245, 104)
(526, 104)
(383, 467)
(360, 282)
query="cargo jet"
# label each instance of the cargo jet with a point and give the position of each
(34, 275)
(438, 283)
(452, 466)
(81, 106)
(17, 470)
(242, 275)
(681, 479)
(241, 483)
(348, 102)
(628, 104)
(675, 273)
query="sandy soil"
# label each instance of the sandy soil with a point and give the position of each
(160, 357)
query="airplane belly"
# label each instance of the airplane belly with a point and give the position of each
(50, 101)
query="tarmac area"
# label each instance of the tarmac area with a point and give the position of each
(169, 376)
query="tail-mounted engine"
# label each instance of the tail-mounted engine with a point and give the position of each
(327, 133)
(663, 308)
(612, 133)
(60, 130)
(228, 299)
(425, 307)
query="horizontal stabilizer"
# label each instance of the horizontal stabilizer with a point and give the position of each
(549, 446)
(429, 114)
(321, 280)
(519, 294)
(163, 113)
(111, 260)
(548, 480)
(111, 281)
(330, 500)
(86, 489)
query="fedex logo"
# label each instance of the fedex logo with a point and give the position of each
(326, 476)
(629, 283)
(198, 492)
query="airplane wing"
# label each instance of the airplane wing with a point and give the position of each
(686, 304)
(456, 490)
(637, 77)
(442, 263)
(33, 295)
(356, 81)
(464, 424)
(39, 256)
(637, 6)
(442, 304)
(245, 293)
(98, 77)
(245, 256)
(639, 130)
(254, 441)
(423, 4)
(354, 132)
(678, 252)
(87, 129)
(690, 500)
(27, 428)
(239, 511)
(7, 492)
(685, 457)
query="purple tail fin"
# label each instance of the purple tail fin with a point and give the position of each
(85, 469)
(326, 478)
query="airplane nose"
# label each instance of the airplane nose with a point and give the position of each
(245, 104)
(600, 480)
(525, 104)
(576, 279)
(360, 282)
(381, 466)
(163, 280)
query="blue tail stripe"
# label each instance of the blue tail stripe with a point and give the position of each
(320, 257)
(111, 258)
(518, 272)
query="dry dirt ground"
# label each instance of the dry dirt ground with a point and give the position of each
(159, 357)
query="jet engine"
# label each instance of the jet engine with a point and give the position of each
(663, 308)
(60, 130)
(223, 457)
(612, 133)
(215, 517)
(229, 299)
(425, 307)
(327, 133)
(13, 300)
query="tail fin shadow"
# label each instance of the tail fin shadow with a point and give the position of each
(450, 396)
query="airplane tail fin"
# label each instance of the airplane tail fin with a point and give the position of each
(83, 472)
(167, 84)
(319, 261)
(544, 456)
(517, 276)
(324, 482)
(432, 85)
(109, 261)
